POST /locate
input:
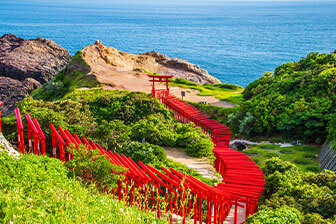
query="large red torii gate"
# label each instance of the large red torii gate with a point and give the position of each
(160, 78)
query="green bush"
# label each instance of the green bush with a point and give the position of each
(111, 133)
(276, 164)
(283, 215)
(307, 192)
(199, 147)
(94, 168)
(37, 189)
(314, 218)
(144, 152)
(166, 132)
(156, 130)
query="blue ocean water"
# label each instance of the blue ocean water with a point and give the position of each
(235, 41)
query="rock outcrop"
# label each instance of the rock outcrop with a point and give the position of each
(119, 69)
(25, 65)
(181, 69)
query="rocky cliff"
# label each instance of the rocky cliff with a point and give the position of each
(99, 65)
(180, 68)
(25, 65)
(122, 70)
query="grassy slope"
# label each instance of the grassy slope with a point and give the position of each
(222, 91)
(37, 189)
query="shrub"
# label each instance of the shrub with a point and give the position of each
(156, 130)
(165, 132)
(246, 123)
(283, 215)
(307, 192)
(200, 147)
(111, 133)
(94, 168)
(144, 152)
(276, 164)
(315, 218)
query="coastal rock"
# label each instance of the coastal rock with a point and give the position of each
(25, 65)
(123, 70)
(13, 91)
(182, 69)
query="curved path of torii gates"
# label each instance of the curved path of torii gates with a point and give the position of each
(167, 192)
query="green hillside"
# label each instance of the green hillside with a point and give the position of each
(296, 102)
(38, 189)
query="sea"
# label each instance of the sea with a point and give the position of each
(235, 41)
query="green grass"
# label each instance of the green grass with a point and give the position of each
(37, 189)
(304, 157)
(222, 91)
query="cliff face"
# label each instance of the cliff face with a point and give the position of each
(181, 69)
(25, 65)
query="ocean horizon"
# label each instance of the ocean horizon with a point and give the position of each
(235, 41)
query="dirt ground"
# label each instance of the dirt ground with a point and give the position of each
(201, 165)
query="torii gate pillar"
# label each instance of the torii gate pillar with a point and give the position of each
(160, 78)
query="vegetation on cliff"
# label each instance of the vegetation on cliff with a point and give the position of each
(297, 102)
(74, 76)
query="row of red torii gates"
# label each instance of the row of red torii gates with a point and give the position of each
(167, 192)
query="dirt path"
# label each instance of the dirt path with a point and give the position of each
(202, 165)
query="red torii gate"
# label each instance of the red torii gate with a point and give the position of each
(160, 78)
